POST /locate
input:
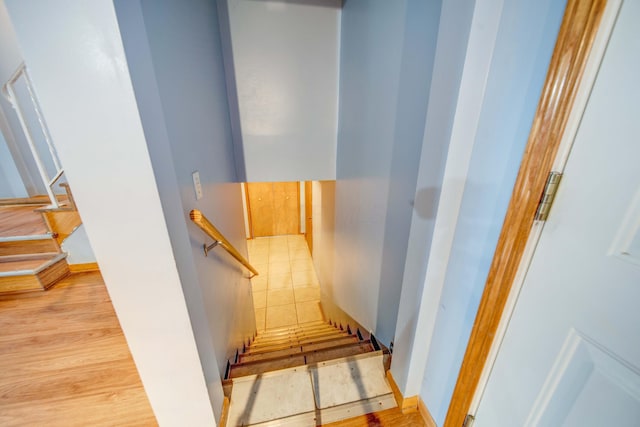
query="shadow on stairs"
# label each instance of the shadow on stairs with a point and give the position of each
(308, 375)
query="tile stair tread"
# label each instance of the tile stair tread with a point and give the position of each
(299, 349)
(324, 339)
(284, 344)
(314, 356)
(336, 407)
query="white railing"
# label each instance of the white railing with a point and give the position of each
(9, 92)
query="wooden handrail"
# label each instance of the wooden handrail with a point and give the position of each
(211, 231)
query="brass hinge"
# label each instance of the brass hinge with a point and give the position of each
(468, 421)
(549, 193)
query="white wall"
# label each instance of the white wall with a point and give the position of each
(77, 62)
(387, 56)
(175, 60)
(285, 54)
(323, 223)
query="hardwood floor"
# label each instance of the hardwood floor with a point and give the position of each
(64, 360)
(391, 418)
(21, 221)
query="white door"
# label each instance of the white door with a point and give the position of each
(571, 353)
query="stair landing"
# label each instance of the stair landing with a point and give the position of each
(313, 394)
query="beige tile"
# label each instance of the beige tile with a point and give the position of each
(279, 281)
(259, 299)
(278, 257)
(302, 265)
(293, 238)
(299, 253)
(309, 311)
(258, 243)
(279, 297)
(259, 283)
(281, 315)
(263, 269)
(279, 268)
(259, 256)
(304, 278)
(261, 314)
(309, 293)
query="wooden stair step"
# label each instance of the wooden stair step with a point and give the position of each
(253, 368)
(32, 244)
(294, 331)
(327, 339)
(289, 328)
(246, 357)
(36, 272)
(337, 352)
(284, 344)
(261, 366)
(295, 337)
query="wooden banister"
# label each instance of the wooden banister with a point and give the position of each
(211, 231)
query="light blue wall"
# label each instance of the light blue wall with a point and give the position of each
(453, 34)
(174, 55)
(522, 53)
(10, 182)
(285, 56)
(387, 51)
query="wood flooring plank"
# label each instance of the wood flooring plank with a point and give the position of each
(65, 361)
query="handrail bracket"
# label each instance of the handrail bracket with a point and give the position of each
(208, 248)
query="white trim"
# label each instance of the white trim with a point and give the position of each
(480, 49)
(573, 123)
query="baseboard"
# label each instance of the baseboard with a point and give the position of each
(425, 414)
(406, 404)
(81, 268)
(410, 404)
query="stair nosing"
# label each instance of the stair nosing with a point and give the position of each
(301, 348)
(262, 340)
(34, 271)
(27, 237)
(294, 345)
(302, 353)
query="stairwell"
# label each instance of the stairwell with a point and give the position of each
(306, 365)
(30, 236)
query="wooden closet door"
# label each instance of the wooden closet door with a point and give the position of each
(260, 195)
(274, 207)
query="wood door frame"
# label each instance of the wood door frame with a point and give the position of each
(248, 208)
(577, 33)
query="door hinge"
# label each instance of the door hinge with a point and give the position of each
(468, 421)
(549, 193)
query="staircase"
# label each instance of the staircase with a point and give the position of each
(30, 254)
(307, 375)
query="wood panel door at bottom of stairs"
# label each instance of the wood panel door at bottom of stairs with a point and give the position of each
(274, 207)
(571, 352)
